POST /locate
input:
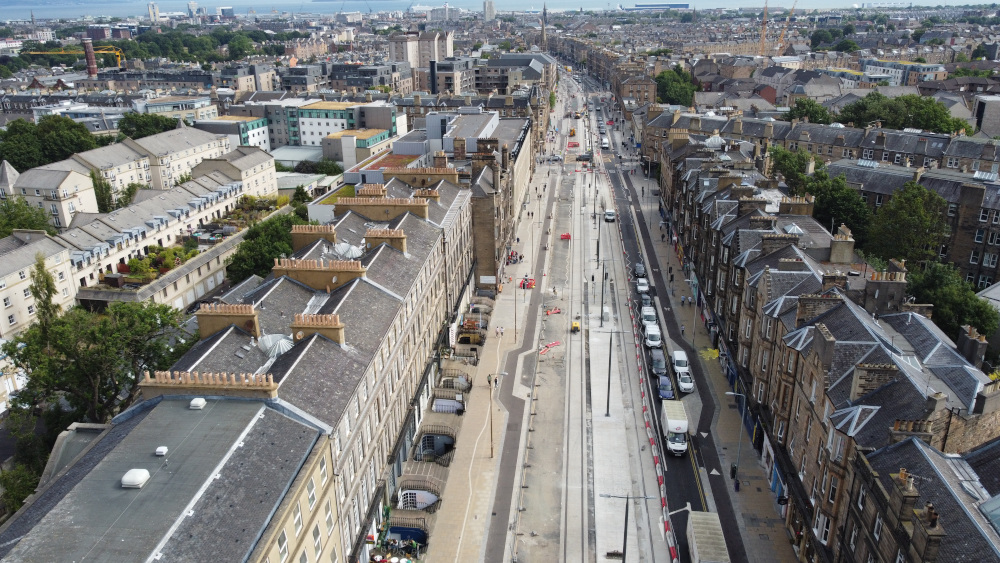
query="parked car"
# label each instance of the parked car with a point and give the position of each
(642, 285)
(647, 301)
(639, 269)
(685, 382)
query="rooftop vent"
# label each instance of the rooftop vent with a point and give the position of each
(135, 479)
(197, 404)
(162, 451)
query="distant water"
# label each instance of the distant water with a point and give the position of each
(45, 9)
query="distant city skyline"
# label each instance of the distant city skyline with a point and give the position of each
(75, 9)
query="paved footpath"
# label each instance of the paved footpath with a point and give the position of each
(760, 523)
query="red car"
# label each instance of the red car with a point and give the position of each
(611, 122)
(572, 144)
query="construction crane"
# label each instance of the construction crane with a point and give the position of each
(781, 40)
(78, 51)
(763, 32)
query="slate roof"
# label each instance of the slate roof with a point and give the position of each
(951, 485)
(97, 518)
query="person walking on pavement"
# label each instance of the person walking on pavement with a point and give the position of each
(682, 330)
(501, 332)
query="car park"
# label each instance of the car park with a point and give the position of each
(641, 285)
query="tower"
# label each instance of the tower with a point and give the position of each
(545, 23)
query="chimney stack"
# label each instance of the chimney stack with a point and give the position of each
(88, 53)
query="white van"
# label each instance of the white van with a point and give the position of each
(648, 314)
(679, 361)
(652, 337)
(609, 215)
(604, 142)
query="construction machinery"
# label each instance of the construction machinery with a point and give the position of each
(784, 30)
(763, 33)
(79, 51)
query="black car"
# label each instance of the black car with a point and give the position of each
(639, 270)
(586, 157)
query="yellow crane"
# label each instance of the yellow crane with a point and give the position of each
(781, 40)
(763, 33)
(98, 50)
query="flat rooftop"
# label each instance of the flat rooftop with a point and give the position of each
(330, 105)
(391, 161)
(359, 133)
(235, 118)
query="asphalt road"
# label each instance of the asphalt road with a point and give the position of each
(681, 479)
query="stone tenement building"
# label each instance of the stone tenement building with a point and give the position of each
(833, 359)
(309, 388)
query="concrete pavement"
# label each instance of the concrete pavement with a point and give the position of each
(760, 522)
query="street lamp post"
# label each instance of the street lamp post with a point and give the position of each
(611, 343)
(627, 499)
(739, 448)
(694, 312)
(490, 383)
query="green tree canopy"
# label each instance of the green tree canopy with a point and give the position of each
(263, 242)
(20, 145)
(16, 213)
(675, 87)
(139, 125)
(806, 108)
(911, 226)
(846, 46)
(61, 137)
(837, 203)
(819, 37)
(92, 361)
(920, 112)
(955, 301)
(792, 166)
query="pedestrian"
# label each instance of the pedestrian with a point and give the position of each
(663, 237)
(497, 331)
(501, 331)
(682, 330)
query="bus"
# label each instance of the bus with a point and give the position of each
(604, 142)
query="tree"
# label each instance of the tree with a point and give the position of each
(675, 87)
(808, 108)
(819, 37)
(848, 30)
(15, 213)
(901, 112)
(103, 192)
(139, 125)
(846, 46)
(263, 242)
(955, 301)
(911, 226)
(61, 137)
(791, 165)
(43, 290)
(837, 203)
(979, 52)
(91, 362)
(18, 482)
(966, 71)
(961, 58)
(324, 166)
(20, 146)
